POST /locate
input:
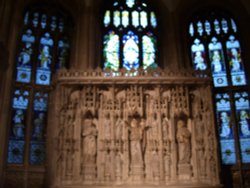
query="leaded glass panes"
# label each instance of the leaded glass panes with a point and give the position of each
(200, 28)
(125, 18)
(235, 62)
(153, 19)
(63, 53)
(37, 143)
(111, 51)
(43, 73)
(215, 45)
(116, 18)
(107, 19)
(24, 64)
(217, 60)
(223, 114)
(148, 50)
(135, 18)
(130, 51)
(243, 120)
(198, 55)
(43, 49)
(129, 41)
(130, 3)
(20, 104)
(143, 19)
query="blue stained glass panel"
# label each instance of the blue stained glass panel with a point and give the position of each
(40, 115)
(44, 21)
(135, 18)
(63, 53)
(18, 126)
(148, 51)
(107, 18)
(217, 26)
(116, 18)
(198, 55)
(235, 61)
(243, 119)
(130, 3)
(153, 19)
(16, 152)
(111, 51)
(130, 51)
(37, 153)
(207, 27)
(125, 18)
(61, 25)
(217, 63)
(53, 23)
(24, 64)
(143, 19)
(191, 30)
(224, 25)
(200, 28)
(35, 20)
(223, 113)
(43, 73)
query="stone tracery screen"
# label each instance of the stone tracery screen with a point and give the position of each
(145, 134)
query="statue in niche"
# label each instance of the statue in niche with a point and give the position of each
(137, 140)
(107, 166)
(107, 126)
(89, 143)
(118, 166)
(183, 137)
(167, 162)
(119, 128)
(154, 128)
(165, 128)
(155, 165)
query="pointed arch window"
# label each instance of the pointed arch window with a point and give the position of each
(130, 39)
(214, 43)
(44, 47)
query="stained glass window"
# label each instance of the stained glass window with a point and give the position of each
(130, 39)
(44, 48)
(215, 44)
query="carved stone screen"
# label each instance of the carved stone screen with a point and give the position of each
(153, 128)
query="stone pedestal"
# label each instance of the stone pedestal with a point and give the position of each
(89, 173)
(137, 173)
(184, 171)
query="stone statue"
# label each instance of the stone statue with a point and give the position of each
(89, 143)
(183, 137)
(136, 133)
(119, 129)
(107, 126)
(118, 166)
(155, 164)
